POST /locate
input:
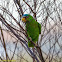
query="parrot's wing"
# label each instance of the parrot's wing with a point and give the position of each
(39, 26)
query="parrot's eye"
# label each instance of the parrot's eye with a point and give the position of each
(27, 17)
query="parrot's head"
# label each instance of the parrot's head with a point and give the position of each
(26, 17)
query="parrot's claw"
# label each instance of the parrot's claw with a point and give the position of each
(30, 39)
(36, 45)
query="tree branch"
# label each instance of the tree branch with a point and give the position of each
(6, 24)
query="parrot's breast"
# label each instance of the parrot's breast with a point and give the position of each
(33, 30)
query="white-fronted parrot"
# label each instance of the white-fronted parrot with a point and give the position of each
(33, 28)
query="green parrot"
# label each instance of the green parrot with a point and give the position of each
(33, 28)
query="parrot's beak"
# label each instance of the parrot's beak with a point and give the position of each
(23, 19)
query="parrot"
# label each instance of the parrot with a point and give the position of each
(32, 27)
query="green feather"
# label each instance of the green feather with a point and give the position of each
(39, 26)
(33, 30)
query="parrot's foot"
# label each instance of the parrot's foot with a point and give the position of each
(36, 45)
(30, 38)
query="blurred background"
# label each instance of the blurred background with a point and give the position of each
(48, 13)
